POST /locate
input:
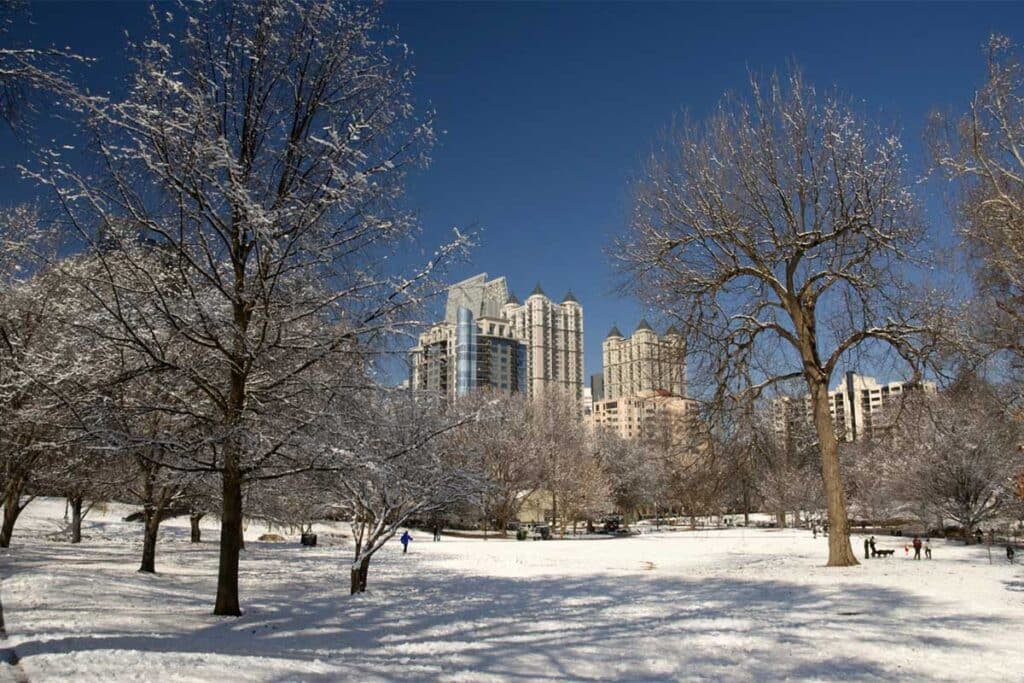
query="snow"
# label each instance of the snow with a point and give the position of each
(733, 604)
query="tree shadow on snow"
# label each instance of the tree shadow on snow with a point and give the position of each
(423, 623)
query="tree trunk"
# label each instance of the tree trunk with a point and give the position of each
(76, 519)
(840, 552)
(230, 543)
(193, 521)
(359, 576)
(151, 524)
(12, 508)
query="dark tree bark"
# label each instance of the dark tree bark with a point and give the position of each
(359, 577)
(151, 522)
(230, 542)
(76, 518)
(197, 533)
(12, 509)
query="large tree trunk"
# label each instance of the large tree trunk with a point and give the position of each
(12, 508)
(840, 552)
(230, 543)
(76, 519)
(780, 518)
(193, 520)
(151, 523)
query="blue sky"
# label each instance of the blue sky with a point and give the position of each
(549, 108)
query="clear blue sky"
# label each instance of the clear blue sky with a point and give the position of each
(549, 108)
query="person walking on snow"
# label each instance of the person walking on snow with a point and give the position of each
(406, 537)
(1010, 552)
(928, 548)
(871, 542)
(867, 546)
(917, 548)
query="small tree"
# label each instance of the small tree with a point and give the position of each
(633, 473)
(504, 441)
(777, 235)
(570, 469)
(400, 459)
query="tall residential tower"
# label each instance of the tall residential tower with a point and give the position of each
(490, 339)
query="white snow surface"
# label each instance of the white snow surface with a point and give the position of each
(733, 605)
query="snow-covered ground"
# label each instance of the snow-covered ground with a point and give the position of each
(738, 604)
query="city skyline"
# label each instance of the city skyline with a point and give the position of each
(540, 159)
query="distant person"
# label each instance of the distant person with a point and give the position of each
(871, 542)
(917, 547)
(814, 530)
(437, 532)
(1010, 552)
(867, 547)
(928, 548)
(406, 537)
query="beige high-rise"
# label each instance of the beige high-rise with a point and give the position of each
(553, 334)
(644, 385)
(644, 363)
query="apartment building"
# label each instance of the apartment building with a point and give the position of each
(859, 405)
(644, 363)
(489, 338)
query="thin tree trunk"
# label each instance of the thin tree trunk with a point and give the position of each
(151, 523)
(197, 533)
(76, 519)
(840, 552)
(230, 543)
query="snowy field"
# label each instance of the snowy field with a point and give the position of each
(720, 605)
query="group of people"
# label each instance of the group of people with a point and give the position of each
(916, 544)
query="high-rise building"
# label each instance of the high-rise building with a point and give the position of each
(643, 383)
(454, 359)
(553, 334)
(644, 363)
(860, 406)
(632, 417)
(597, 386)
(483, 298)
(489, 339)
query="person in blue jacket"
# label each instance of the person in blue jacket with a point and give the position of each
(406, 537)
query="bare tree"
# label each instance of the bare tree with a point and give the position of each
(27, 71)
(982, 152)
(504, 441)
(261, 149)
(776, 234)
(400, 459)
(571, 471)
(633, 471)
(959, 455)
